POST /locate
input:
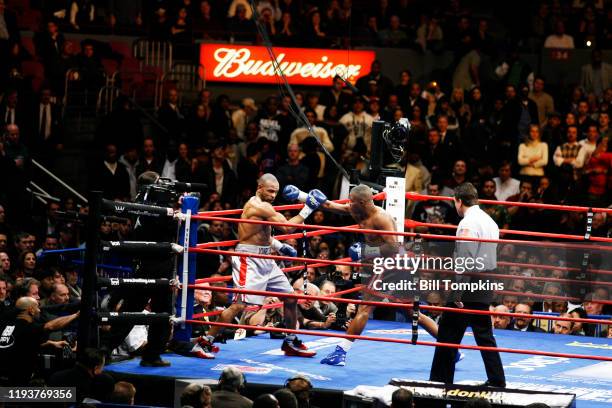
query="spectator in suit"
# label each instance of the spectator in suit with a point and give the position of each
(384, 84)
(49, 45)
(448, 138)
(436, 156)
(218, 174)
(47, 127)
(130, 160)
(293, 171)
(337, 96)
(149, 161)
(524, 324)
(11, 111)
(171, 117)
(111, 177)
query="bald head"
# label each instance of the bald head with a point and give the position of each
(266, 179)
(25, 303)
(267, 187)
(362, 192)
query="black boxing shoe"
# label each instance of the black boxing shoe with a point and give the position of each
(292, 346)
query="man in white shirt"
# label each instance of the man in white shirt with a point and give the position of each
(358, 123)
(506, 185)
(587, 147)
(241, 117)
(475, 224)
(559, 39)
(301, 133)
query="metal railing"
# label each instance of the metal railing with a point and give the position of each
(153, 54)
(106, 98)
(188, 79)
(139, 85)
(61, 182)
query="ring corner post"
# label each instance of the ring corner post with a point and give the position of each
(188, 237)
(87, 322)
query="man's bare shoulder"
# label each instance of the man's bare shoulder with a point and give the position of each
(382, 220)
(257, 208)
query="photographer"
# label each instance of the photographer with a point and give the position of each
(150, 267)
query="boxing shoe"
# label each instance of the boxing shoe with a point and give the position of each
(292, 346)
(207, 345)
(199, 352)
(336, 357)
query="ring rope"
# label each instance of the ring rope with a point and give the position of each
(541, 206)
(413, 224)
(401, 341)
(275, 305)
(404, 234)
(391, 304)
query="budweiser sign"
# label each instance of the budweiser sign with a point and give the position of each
(301, 66)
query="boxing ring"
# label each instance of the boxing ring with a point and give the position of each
(544, 363)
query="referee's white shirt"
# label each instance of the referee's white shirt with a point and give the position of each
(478, 224)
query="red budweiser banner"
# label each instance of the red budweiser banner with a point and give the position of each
(301, 66)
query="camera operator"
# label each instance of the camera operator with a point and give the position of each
(150, 267)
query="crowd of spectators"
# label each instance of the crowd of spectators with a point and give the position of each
(490, 120)
(422, 25)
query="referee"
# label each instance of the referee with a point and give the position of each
(476, 224)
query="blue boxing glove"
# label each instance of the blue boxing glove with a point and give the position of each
(292, 193)
(359, 251)
(354, 252)
(283, 249)
(315, 199)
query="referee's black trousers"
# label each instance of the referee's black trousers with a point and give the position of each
(451, 330)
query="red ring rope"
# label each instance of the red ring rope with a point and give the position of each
(529, 278)
(297, 235)
(401, 341)
(541, 206)
(404, 234)
(391, 304)
(275, 305)
(413, 224)
(277, 257)
(331, 262)
(552, 267)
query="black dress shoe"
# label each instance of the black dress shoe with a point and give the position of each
(154, 362)
(490, 384)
